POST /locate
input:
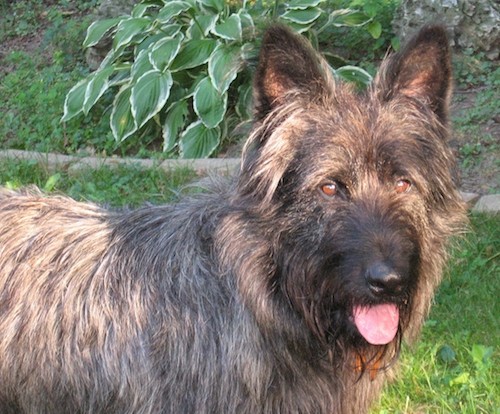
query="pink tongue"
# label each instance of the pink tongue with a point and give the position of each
(378, 324)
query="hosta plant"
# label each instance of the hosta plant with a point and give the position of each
(184, 65)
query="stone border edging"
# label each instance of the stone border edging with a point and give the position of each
(74, 162)
(477, 203)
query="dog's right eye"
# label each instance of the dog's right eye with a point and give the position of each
(402, 186)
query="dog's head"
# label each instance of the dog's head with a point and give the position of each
(353, 190)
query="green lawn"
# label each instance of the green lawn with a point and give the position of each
(453, 369)
(455, 366)
(119, 186)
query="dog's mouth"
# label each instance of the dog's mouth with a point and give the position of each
(378, 324)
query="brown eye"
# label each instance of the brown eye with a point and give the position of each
(329, 189)
(402, 186)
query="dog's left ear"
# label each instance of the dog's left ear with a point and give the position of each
(420, 71)
(288, 66)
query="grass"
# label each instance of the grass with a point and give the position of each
(32, 99)
(455, 366)
(23, 17)
(43, 61)
(118, 186)
(453, 369)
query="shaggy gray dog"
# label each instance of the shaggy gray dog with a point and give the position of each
(287, 289)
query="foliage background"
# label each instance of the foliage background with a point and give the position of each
(57, 30)
(186, 65)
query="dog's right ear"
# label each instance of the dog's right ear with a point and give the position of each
(289, 72)
(288, 65)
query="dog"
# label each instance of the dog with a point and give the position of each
(287, 288)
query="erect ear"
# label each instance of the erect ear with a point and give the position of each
(421, 71)
(287, 65)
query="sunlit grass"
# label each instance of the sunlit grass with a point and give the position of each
(455, 366)
(114, 186)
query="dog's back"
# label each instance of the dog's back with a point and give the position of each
(107, 311)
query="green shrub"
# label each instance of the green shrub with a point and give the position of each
(365, 44)
(184, 66)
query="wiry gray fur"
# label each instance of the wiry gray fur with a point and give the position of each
(240, 300)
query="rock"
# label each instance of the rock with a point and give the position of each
(73, 164)
(96, 163)
(209, 166)
(51, 161)
(488, 204)
(472, 24)
(201, 166)
(470, 198)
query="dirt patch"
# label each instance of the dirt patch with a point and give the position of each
(27, 44)
(31, 44)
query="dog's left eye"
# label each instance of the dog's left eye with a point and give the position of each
(329, 189)
(402, 186)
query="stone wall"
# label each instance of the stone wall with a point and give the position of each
(472, 24)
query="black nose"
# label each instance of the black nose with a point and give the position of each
(383, 280)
